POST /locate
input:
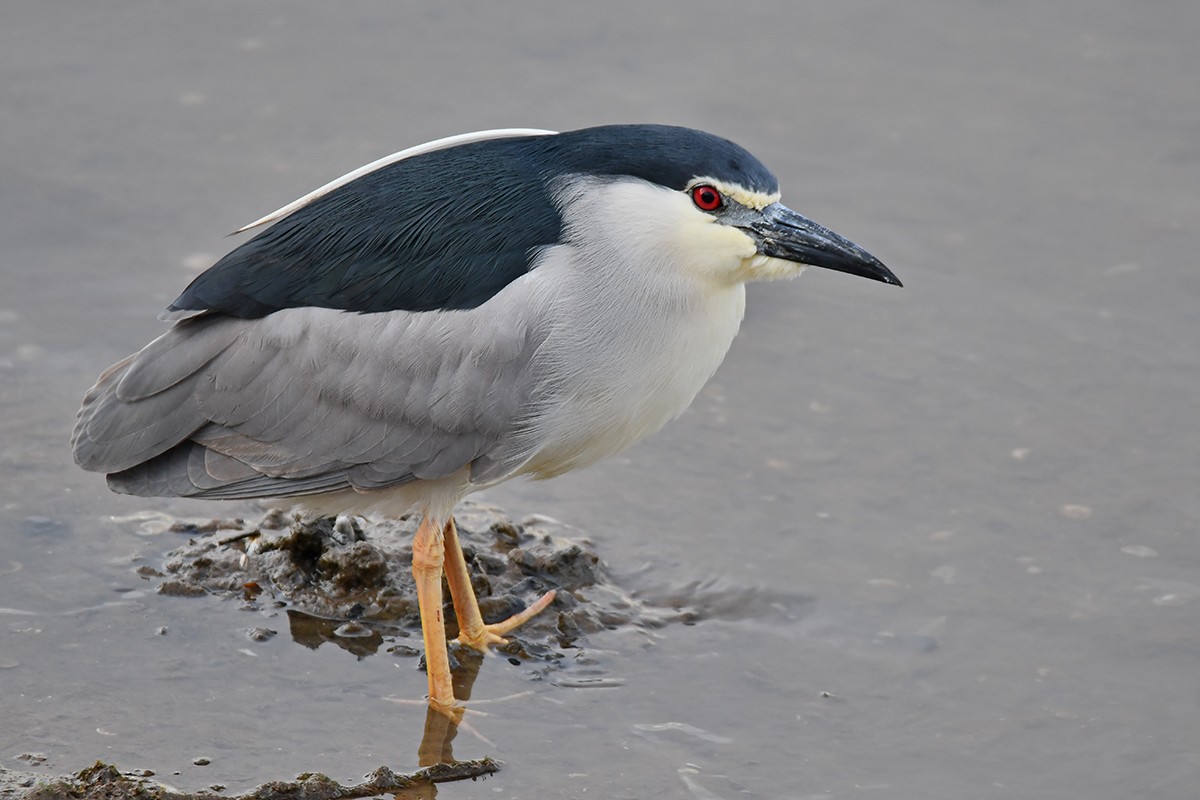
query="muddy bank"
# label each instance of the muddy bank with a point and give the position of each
(349, 580)
(106, 782)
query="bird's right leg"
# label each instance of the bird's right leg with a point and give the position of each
(471, 628)
(428, 557)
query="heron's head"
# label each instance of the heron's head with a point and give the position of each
(662, 194)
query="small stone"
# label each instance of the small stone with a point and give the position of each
(403, 651)
(347, 530)
(175, 588)
(260, 634)
(351, 630)
(202, 761)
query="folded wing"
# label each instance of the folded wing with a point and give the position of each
(310, 400)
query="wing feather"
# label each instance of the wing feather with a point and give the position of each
(308, 400)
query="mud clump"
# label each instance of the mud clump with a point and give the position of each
(105, 782)
(349, 580)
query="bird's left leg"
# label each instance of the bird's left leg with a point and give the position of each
(471, 628)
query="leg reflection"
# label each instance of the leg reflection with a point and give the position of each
(441, 724)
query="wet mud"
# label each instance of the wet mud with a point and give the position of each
(106, 782)
(348, 581)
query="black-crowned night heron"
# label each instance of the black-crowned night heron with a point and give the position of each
(505, 303)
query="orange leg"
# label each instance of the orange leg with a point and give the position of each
(428, 554)
(471, 629)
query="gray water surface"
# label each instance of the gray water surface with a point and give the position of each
(954, 526)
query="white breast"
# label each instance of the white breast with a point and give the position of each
(650, 375)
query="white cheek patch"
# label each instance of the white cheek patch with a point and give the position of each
(740, 242)
(706, 247)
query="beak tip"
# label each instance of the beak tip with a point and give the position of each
(782, 233)
(871, 267)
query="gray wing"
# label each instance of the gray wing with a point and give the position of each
(312, 400)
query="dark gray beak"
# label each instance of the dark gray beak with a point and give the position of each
(782, 233)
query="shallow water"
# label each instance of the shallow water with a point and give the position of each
(954, 526)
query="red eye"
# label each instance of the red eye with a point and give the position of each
(706, 197)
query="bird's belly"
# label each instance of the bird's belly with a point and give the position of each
(661, 370)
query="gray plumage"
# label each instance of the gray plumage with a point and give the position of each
(309, 401)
